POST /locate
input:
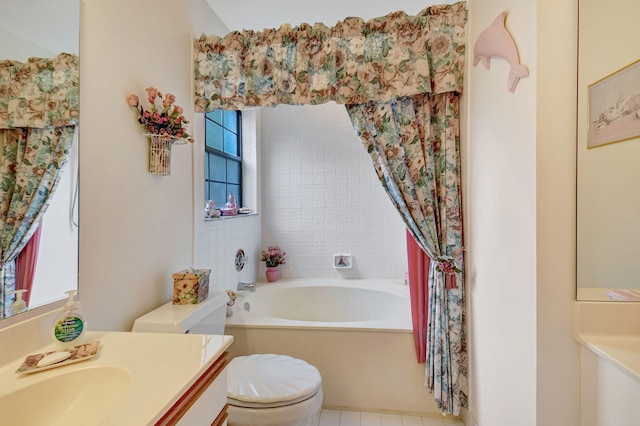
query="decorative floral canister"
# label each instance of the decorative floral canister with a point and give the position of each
(190, 286)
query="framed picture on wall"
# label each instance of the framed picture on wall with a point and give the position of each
(614, 107)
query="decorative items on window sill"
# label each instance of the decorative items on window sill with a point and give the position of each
(231, 208)
(210, 210)
(241, 213)
(164, 125)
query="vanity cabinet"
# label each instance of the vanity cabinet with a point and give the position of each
(609, 395)
(165, 378)
(205, 403)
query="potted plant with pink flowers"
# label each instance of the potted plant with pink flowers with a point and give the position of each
(273, 257)
(164, 124)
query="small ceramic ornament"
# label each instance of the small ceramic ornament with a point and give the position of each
(232, 301)
(496, 41)
(210, 209)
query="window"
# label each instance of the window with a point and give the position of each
(223, 156)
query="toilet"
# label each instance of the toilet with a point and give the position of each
(273, 390)
(262, 389)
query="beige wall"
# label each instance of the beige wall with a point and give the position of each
(136, 228)
(500, 227)
(520, 221)
(557, 352)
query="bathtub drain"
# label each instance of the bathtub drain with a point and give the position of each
(247, 306)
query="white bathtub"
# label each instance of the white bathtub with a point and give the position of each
(356, 332)
(322, 303)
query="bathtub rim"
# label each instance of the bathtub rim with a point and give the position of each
(243, 319)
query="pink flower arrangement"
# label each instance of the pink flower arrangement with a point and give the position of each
(166, 119)
(273, 256)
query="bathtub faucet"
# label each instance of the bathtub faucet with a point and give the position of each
(246, 286)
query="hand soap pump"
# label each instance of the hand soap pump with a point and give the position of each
(71, 325)
(19, 305)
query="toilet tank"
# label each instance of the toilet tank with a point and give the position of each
(207, 317)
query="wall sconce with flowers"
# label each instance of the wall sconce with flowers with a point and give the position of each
(164, 124)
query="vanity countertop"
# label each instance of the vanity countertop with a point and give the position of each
(161, 368)
(622, 350)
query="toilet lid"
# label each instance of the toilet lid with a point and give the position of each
(269, 378)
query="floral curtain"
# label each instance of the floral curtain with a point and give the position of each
(351, 63)
(40, 92)
(38, 116)
(400, 78)
(415, 147)
(29, 174)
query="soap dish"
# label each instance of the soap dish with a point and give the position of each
(78, 353)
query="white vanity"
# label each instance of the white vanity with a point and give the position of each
(609, 363)
(135, 379)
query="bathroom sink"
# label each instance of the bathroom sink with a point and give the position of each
(135, 379)
(82, 396)
(622, 350)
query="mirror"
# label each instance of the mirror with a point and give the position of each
(608, 175)
(46, 28)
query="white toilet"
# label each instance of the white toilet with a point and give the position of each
(262, 389)
(273, 390)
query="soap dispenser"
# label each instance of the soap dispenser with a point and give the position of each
(19, 305)
(71, 325)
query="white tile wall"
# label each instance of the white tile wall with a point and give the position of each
(321, 196)
(218, 242)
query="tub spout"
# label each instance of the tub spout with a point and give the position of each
(246, 286)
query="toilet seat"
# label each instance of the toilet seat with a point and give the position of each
(244, 404)
(268, 381)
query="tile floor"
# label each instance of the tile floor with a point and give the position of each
(349, 418)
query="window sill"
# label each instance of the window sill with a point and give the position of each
(214, 219)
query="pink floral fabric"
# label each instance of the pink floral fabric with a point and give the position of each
(352, 63)
(414, 143)
(29, 174)
(40, 92)
(39, 111)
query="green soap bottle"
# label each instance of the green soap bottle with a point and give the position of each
(71, 325)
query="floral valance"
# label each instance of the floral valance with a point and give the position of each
(39, 93)
(352, 63)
